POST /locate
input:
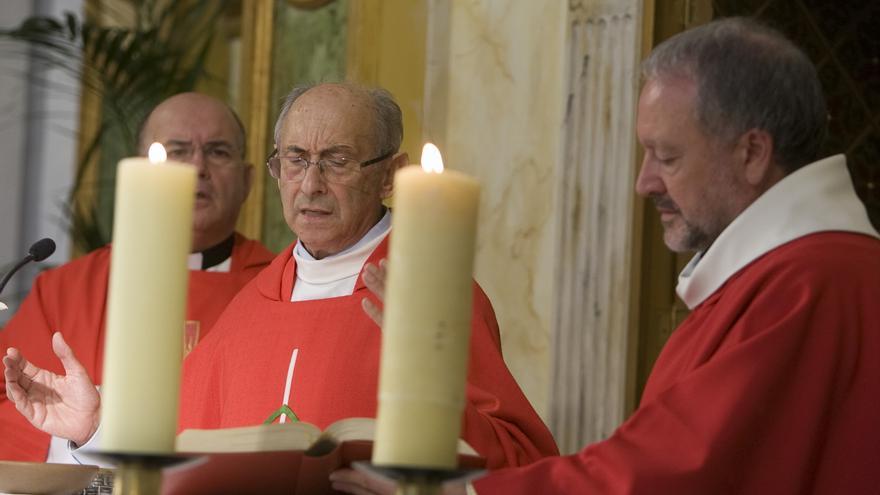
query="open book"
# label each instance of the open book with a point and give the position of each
(292, 457)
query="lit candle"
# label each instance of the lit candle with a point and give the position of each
(152, 231)
(427, 322)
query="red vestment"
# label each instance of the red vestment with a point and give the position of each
(71, 299)
(238, 376)
(772, 383)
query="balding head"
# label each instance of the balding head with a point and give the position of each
(201, 105)
(385, 117)
(204, 131)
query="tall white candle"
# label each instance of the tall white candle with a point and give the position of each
(427, 322)
(152, 235)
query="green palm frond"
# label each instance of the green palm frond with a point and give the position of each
(131, 69)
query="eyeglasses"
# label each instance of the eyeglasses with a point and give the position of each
(293, 167)
(216, 155)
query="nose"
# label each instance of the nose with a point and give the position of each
(649, 183)
(198, 160)
(313, 182)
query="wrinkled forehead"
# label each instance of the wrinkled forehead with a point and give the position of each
(196, 125)
(330, 119)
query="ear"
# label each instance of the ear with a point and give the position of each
(756, 154)
(397, 161)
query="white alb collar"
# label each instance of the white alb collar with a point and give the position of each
(343, 264)
(816, 198)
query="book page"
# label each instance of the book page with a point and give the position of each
(259, 438)
(365, 429)
(285, 436)
(351, 429)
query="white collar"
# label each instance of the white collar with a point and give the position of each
(343, 264)
(816, 198)
(194, 262)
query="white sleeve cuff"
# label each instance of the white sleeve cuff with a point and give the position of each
(84, 453)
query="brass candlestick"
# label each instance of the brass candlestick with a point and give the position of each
(137, 478)
(139, 474)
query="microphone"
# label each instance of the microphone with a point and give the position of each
(42, 249)
(38, 251)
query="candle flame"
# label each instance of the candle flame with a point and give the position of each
(432, 162)
(156, 153)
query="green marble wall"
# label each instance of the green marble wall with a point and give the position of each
(309, 46)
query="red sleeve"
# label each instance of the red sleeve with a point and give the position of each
(69, 299)
(791, 383)
(31, 332)
(72, 299)
(499, 422)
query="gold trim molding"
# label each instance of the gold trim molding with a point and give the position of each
(256, 79)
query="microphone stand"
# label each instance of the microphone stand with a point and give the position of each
(24, 261)
(38, 251)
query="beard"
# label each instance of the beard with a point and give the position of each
(687, 237)
(682, 234)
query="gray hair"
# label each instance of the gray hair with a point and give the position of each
(749, 76)
(389, 118)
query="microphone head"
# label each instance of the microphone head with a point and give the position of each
(42, 249)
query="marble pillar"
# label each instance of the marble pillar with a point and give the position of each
(594, 246)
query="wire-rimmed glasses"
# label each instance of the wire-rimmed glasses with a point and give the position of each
(293, 167)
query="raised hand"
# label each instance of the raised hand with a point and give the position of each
(374, 279)
(64, 406)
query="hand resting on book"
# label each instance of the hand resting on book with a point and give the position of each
(357, 483)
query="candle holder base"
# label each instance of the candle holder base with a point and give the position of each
(417, 480)
(139, 473)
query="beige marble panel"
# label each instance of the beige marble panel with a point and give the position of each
(495, 104)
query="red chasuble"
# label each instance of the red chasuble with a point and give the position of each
(771, 385)
(330, 350)
(71, 299)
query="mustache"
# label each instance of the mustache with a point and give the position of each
(664, 203)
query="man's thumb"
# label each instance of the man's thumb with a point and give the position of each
(65, 354)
